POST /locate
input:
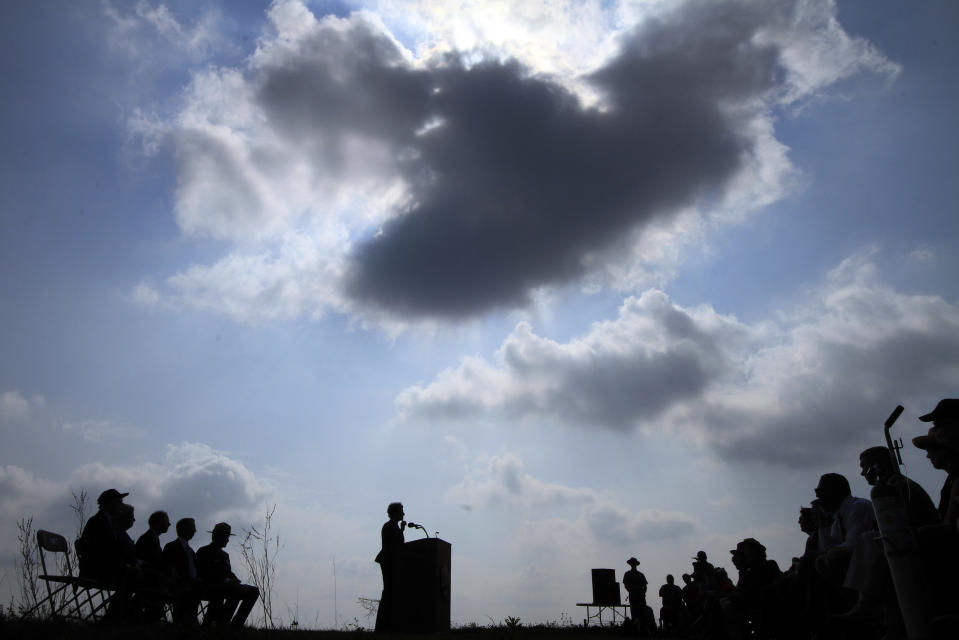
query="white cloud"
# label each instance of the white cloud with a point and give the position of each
(21, 492)
(654, 355)
(100, 431)
(152, 32)
(192, 480)
(922, 255)
(15, 407)
(805, 389)
(502, 482)
(818, 52)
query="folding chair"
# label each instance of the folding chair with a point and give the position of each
(72, 597)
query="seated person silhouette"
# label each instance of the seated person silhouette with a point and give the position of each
(851, 518)
(97, 545)
(391, 544)
(180, 561)
(222, 586)
(757, 574)
(148, 548)
(128, 574)
(126, 548)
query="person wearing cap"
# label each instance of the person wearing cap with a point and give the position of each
(224, 589)
(704, 573)
(939, 543)
(97, 545)
(941, 445)
(635, 584)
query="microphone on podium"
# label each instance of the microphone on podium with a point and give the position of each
(413, 525)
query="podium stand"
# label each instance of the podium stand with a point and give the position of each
(423, 595)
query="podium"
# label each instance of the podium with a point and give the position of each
(423, 595)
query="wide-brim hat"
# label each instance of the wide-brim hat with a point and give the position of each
(748, 542)
(632, 562)
(111, 495)
(222, 527)
(947, 409)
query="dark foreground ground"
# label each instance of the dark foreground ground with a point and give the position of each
(54, 630)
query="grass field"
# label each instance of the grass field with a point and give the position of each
(57, 630)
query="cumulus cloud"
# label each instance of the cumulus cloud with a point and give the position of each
(193, 480)
(502, 482)
(443, 186)
(15, 407)
(826, 371)
(654, 356)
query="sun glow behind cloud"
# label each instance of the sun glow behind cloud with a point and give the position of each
(312, 159)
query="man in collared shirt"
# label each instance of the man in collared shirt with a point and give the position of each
(148, 545)
(851, 518)
(180, 560)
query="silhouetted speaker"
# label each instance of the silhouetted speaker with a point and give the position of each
(423, 596)
(605, 587)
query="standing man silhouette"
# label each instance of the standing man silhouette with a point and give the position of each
(635, 583)
(391, 538)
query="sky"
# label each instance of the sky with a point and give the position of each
(574, 281)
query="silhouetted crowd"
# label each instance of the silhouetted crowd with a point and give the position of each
(880, 568)
(147, 577)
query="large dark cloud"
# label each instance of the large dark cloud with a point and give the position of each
(518, 184)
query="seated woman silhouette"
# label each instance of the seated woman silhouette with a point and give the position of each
(391, 536)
